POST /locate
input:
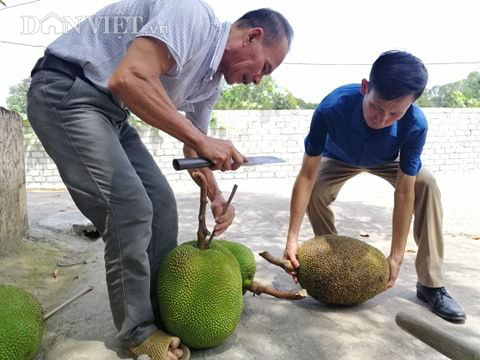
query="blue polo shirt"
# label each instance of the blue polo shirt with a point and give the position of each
(339, 131)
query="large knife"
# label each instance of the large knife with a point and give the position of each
(196, 163)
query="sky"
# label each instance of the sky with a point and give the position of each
(329, 35)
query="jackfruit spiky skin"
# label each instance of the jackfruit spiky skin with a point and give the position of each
(200, 294)
(341, 270)
(21, 324)
(245, 258)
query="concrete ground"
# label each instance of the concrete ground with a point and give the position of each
(269, 328)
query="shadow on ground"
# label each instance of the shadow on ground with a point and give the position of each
(269, 328)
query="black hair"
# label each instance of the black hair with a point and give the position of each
(272, 22)
(396, 74)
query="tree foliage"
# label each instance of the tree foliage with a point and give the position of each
(460, 94)
(306, 105)
(265, 96)
(17, 98)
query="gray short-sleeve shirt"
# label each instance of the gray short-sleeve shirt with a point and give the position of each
(193, 34)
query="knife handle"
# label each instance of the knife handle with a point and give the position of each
(191, 163)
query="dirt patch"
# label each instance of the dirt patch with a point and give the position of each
(32, 265)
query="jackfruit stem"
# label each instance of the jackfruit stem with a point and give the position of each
(225, 207)
(258, 289)
(202, 231)
(284, 264)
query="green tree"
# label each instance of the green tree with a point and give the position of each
(463, 93)
(456, 99)
(265, 96)
(306, 105)
(1, 2)
(17, 98)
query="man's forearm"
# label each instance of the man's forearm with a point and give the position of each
(301, 193)
(402, 217)
(212, 186)
(147, 98)
(302, 190)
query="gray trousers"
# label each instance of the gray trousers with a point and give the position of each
(115, 183)
(428, 213)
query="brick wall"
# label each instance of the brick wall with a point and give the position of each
(453, 144)
(13, 203)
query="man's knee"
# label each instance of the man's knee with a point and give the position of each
(130, 206)
(425, 182)
(321, 196)
(141, 208)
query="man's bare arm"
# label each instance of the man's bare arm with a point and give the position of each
(404, 200)
(136, 81)
(301, 193)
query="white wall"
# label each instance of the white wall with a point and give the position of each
(453, 144)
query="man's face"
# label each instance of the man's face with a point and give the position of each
(248, 59)
(380, 113)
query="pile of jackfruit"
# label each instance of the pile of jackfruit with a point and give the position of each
(201, 292)
(201, 287)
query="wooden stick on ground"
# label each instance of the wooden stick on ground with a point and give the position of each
(448, 344)
(65, 303)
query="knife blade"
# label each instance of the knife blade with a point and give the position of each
(196, 163)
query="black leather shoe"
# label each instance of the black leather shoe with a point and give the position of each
(441, 303)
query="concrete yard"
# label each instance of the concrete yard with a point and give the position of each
(269, 328)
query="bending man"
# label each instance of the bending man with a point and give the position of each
(375, 127)
(152, 58)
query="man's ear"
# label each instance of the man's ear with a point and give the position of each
(364, 88)
(255, 34)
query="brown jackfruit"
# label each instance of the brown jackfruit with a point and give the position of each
(338, 269)
(341, 270)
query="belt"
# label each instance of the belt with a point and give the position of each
(53, 63)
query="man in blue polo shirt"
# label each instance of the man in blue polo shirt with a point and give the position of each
(375, 127)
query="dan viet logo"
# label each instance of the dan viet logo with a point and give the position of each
(118, 24)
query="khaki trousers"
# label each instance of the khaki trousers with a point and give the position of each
(428, 213)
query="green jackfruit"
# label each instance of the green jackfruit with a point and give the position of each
(245, 259)
(200, 294)
(341, 270)
(21, 324)
(200, 285)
